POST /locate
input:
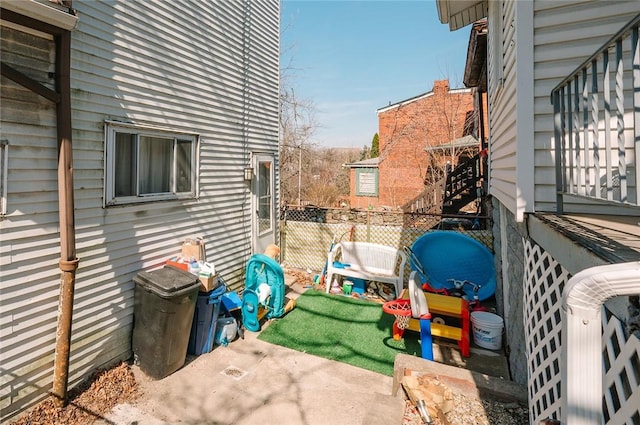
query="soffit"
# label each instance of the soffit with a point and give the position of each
(46, 16)
(460, 13)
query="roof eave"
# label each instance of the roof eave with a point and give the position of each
(460, 13)
(476, 64)
(57, 16)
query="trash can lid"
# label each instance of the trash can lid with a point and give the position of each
(167, 280)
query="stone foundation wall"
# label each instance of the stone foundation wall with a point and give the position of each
(509, 262)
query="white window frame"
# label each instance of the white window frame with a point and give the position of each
(4, 172)
(138, 131)
(367, 177)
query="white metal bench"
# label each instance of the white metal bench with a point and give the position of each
(368, 261)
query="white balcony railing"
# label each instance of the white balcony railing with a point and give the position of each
(597, 125)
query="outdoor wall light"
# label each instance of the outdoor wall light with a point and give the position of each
(248, 174)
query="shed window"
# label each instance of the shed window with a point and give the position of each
(367, 182)
(145, 165)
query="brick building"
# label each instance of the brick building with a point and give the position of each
(408, 131)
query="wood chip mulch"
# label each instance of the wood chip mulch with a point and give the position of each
(89, 401)
(300, 277)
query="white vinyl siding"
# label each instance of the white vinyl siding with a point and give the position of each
(566, 34)
(208, 68)
(4, 167)
(30, 242)
(502, 107)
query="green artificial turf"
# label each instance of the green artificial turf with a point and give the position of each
(340, 328)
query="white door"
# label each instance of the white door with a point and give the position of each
(264, 220)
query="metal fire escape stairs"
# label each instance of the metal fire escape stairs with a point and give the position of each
(450, 195)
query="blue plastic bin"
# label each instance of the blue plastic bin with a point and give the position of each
(203, 328)
(359, 285)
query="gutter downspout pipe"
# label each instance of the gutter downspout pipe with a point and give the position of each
(582, 369)
(68, 259)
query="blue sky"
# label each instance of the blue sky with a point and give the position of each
(350, 58)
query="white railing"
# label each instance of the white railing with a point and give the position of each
(597, 124)
(582, 366)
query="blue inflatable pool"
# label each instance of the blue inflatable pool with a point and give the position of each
(450, 257)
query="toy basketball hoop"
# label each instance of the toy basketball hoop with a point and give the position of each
(401, 309)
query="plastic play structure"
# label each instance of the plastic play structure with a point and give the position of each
(264, 286)
(456, 271)
(414, 311)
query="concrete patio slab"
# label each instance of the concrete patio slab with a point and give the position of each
(253, 382)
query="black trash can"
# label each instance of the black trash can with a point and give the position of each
(165, 300)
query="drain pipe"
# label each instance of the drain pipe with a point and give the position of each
(582, 370)
(68, 259)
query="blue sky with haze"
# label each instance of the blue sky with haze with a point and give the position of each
(350, 58)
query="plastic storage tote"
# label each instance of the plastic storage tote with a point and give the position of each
(203, 328)
(164, 305)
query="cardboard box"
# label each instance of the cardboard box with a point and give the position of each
(193, 248)
(208, 283)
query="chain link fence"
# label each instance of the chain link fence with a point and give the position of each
(308, 233)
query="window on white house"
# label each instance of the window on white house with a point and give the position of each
(4, 171)
(145, 164)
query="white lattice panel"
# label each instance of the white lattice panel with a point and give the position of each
(544, 280)
(622, 373)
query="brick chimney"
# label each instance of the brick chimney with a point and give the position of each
(441, 86)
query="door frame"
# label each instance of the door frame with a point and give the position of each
(260, 239)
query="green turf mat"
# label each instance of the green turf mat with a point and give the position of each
(340, 328)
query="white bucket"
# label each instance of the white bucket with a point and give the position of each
(487, 329)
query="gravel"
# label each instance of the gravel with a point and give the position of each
(472, 411)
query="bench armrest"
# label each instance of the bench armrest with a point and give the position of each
(334, 254)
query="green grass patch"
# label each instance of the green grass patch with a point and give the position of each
(340, 328)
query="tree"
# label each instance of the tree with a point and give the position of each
(375, 146)
(297, 125)
(365, 153)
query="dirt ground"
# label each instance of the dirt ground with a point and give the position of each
(103, 391)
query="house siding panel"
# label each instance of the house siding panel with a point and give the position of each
(561, 44)
(177, 65)
(30, 243)
(502, 108)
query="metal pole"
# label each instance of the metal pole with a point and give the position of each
(68, 260)
(299, 173)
